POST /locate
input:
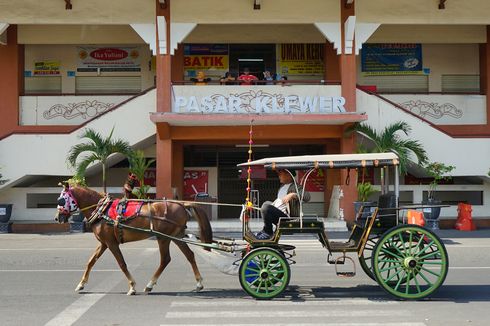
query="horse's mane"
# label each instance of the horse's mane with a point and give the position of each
(87, 194)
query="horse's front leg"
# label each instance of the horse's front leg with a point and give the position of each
(190, 257)
(163, 245)
(116, 251)
(91, 262)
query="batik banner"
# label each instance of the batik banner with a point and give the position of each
(213, 59)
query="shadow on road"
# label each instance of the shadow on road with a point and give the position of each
(447, 293)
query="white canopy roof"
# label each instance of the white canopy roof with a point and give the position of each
(327, 161)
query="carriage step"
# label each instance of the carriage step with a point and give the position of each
(339, 246)
(341, 261)
(346, 274)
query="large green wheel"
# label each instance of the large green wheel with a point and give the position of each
(366, 255)
(264, 273)
(410, 262)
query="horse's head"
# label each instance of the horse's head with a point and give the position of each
(67, 204)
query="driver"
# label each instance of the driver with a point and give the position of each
(285, 205)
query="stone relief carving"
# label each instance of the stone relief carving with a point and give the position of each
(87, 109)
(432, 109)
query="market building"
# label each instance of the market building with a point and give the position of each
(152, 69)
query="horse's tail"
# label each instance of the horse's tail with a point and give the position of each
(206, 232)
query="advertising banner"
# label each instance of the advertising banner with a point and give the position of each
(213, 59)
(47, 68)
(391, 59)
(195, 182)
(315, 182)
(301, 59)
(108, 59)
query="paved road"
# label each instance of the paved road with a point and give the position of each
(39, 273)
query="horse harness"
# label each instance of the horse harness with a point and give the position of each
(119, 221)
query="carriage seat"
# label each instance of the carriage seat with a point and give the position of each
(387, 213)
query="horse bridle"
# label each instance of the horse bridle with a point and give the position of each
(67, 205)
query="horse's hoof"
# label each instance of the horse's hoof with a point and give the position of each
(199, 288)
(131, 292)
(79, 288)
(148, 290)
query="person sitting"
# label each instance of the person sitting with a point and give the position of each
(285, 205)
(246, 78)
(201, 79)
(269, 79)
(227, 79)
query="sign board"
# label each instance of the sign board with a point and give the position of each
(195, 182)
(391, 59)
(301, 59)
(315, 182)
(47, 68)
(109, 59)
(213, 59)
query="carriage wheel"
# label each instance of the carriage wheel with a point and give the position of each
(367, 253)
(410, 262)
(264, 273)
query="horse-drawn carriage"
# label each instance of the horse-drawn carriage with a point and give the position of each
(407, 261)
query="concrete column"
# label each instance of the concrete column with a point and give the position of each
(164, 102)
(331, 63)
(348, 72)
(11, 81)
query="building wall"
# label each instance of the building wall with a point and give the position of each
(68, 56)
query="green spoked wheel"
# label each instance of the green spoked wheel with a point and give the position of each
(264, 273)
(410, 262)
(366, 255)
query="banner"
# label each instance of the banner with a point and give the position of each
(47, 68)
(391, 59)
(301, 59)
(213, 59)
(315, 182)
(195, 182)
(91, 59)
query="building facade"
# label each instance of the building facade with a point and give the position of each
(137, 66)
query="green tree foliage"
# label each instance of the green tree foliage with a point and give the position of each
(96, 149)
(138, 164)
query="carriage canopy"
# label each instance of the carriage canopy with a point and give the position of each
(333, 161)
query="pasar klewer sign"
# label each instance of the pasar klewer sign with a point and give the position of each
(258, 99)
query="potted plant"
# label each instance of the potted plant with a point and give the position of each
(364, 191)
(438, 171)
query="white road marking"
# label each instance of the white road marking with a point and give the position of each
(255, 303)
(315, 324)
(66, 249)
(56, 270)
(74, 311)
(288, 314)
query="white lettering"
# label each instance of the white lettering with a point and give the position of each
(207, 104)
(221, 105)
(180, 102)
(325, 104)
(192, 105)
(287, 103)
(338, 103)
(261, 105)
(308, 104)
(234, 103)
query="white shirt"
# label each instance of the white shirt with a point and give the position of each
(278, 203)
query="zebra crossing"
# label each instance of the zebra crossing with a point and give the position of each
(300, 306)
(341, 311)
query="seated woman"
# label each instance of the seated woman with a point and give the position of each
(201, 79)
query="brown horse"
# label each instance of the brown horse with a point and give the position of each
(166, 217)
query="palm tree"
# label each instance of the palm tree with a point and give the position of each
(98, 149)
(138, 164)
(389, 140)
